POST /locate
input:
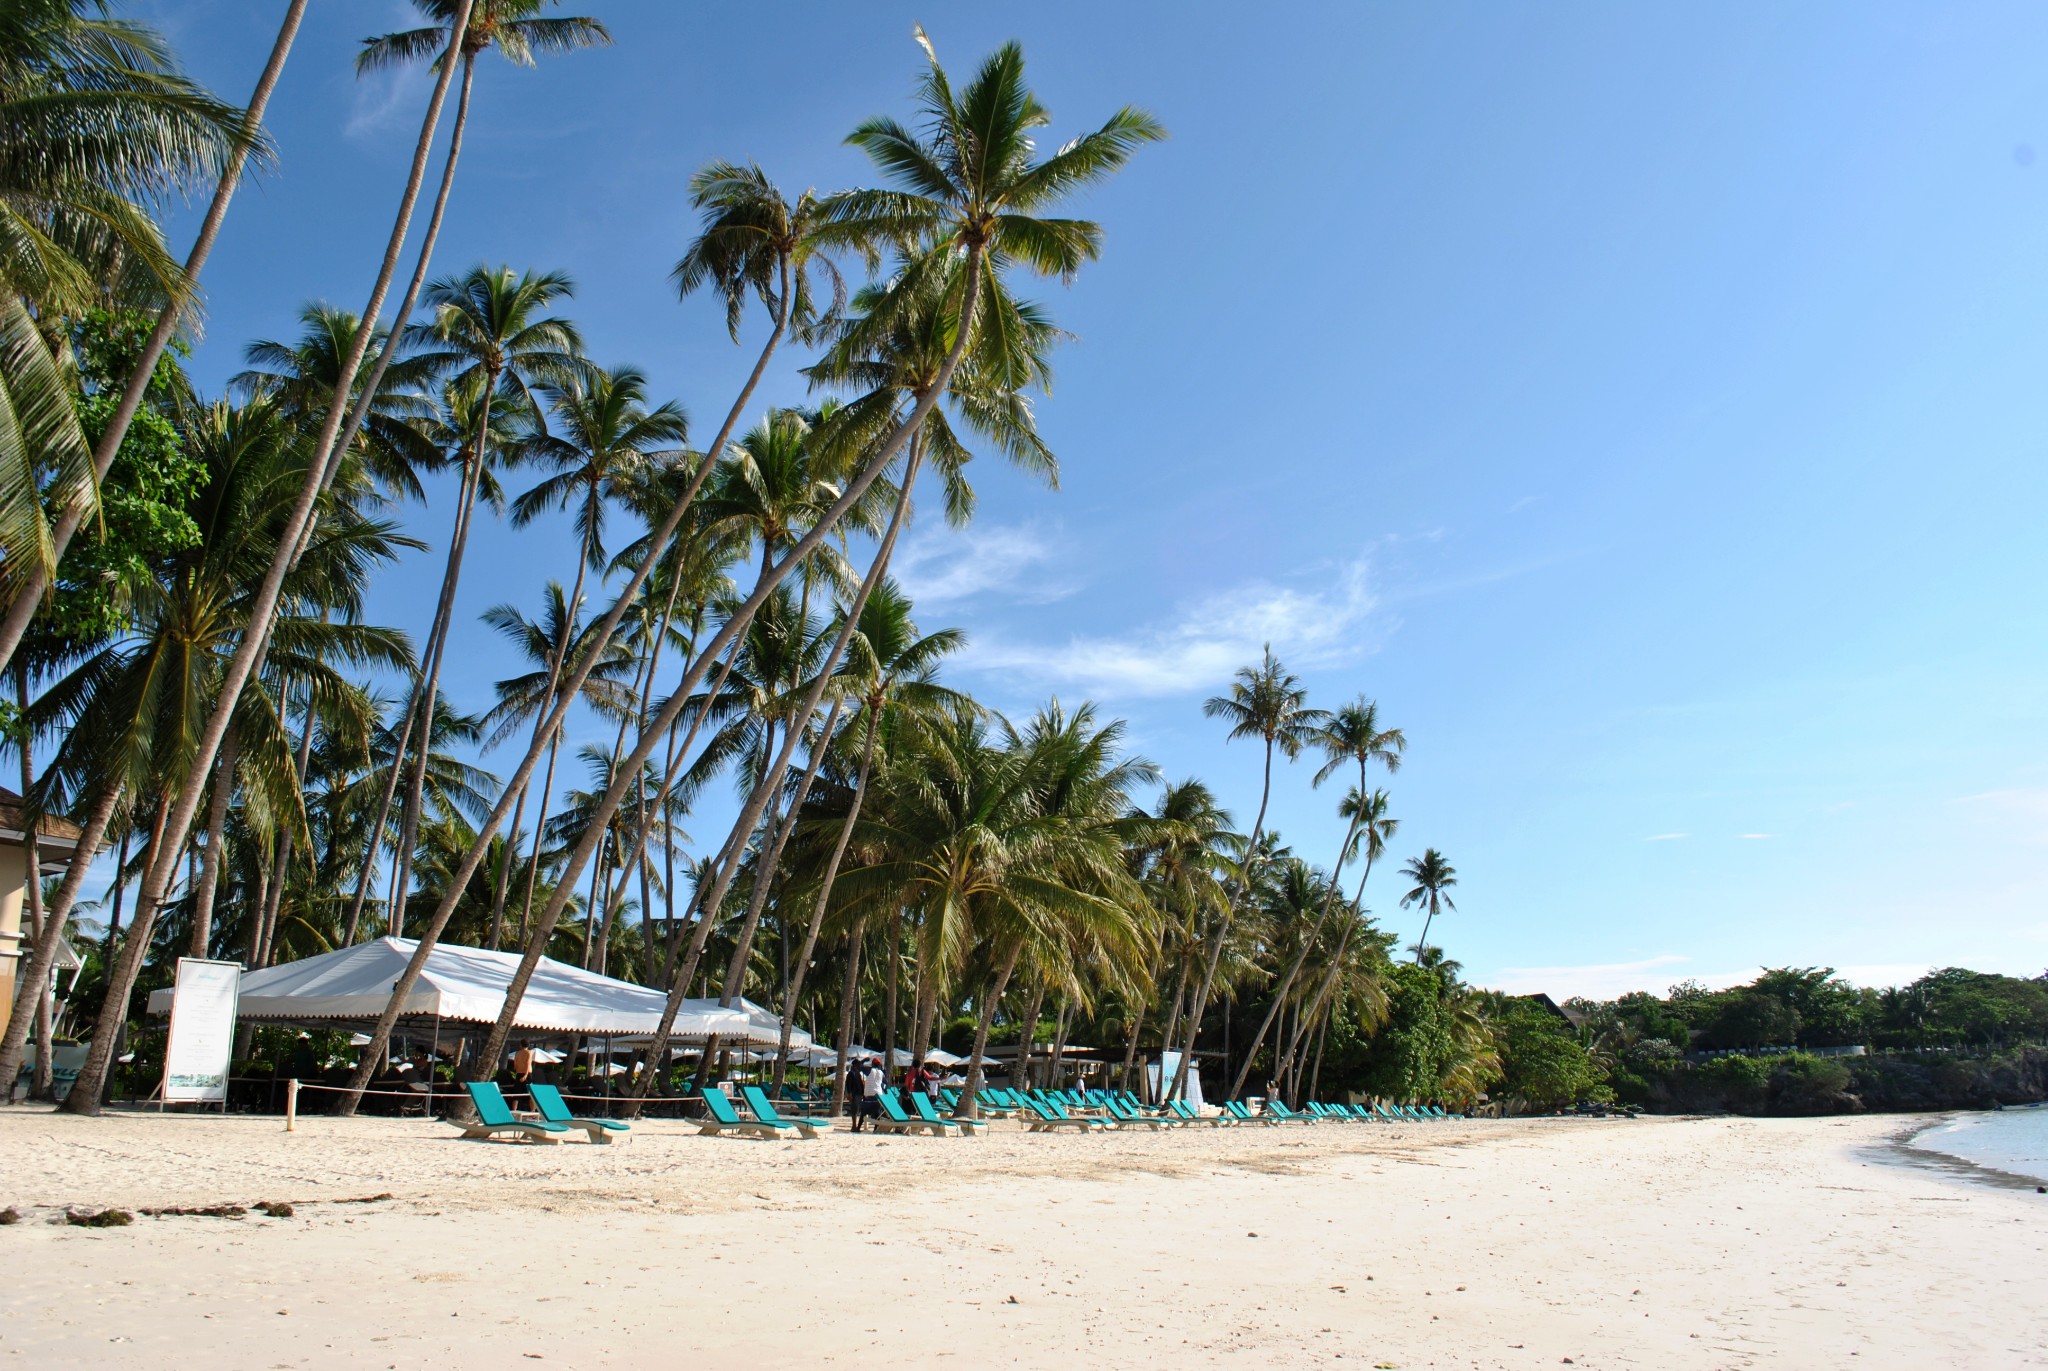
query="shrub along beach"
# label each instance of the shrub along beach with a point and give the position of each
(574, 988)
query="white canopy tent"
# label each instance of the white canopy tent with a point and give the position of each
(469, 984)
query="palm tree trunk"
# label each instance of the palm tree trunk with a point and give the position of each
(92, 1077)
(1336, 959)
(771, 857)
(651, 735)
(849, 1002)
(43, 956)
(970, 1105)
(1027, 1039)
(216, 834)
(502, 886)
(803, 960)
(1287, 985)
(355, 912)
(1244, 880)
(34, 581)
(39, 1087)
(894, 943)
(437, 643)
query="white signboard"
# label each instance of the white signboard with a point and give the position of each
(202, 1030)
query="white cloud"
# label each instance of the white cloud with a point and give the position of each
(379, 95)
(1206, 641)
(1598, 981)
(1755, 836)
(1665, 837)
(939, 567)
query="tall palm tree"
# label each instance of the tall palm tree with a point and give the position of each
(894, 669)
(329, 448)
(1350, 736)
(1432, 876)
(1372, 827)
(489, 340)
(993, 188)
(1269, 703)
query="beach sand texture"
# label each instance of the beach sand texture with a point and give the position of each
(1647, 1243)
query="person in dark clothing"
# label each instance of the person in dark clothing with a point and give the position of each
(856, 1093)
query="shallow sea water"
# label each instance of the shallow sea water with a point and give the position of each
(2013, 1141)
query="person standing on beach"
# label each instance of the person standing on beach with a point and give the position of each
(856, 1090)
(873, 1084)
(522, 1064)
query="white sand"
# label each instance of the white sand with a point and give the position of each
(1652, 1243)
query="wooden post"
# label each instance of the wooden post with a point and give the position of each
(291, 1105)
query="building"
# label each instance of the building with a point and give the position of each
(56, 840)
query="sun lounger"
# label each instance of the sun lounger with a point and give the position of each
(1187, 1113)
(1049, 1115)
(548, 1102)
(1277, 1109)
(721, 1118)
(764, 1110)
(1131, 1118)
(494, 1118)
(1236, 1109)
(922, 1107)
(894, 1120)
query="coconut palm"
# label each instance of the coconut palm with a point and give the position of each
(1269, 703)
(984, 215)
(1432, 876)
(489, 341)
(1350, 736)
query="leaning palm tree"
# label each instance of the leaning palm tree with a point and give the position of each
(1432, 876)
(490, 342)
(1350, 736)
(1266, 702)
(979, 204)
(328, 451)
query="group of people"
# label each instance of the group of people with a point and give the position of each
(865, 1082)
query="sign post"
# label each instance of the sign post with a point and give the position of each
(202, 1040)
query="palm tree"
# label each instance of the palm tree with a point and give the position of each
(137, 710)
(99, 125)
(983, 215)
(1351, 735)
(1269, 703)
(895, 670)
(320, 472)
(1372, 827)
(1432, 876)
(489, 341)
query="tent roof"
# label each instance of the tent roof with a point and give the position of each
(466, 983)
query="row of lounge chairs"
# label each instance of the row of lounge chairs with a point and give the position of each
(1042, 1111)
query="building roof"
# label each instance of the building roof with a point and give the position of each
(53, 829)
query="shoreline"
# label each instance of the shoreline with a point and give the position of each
(1903, 1148)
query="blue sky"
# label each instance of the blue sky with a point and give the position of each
(1644, 404)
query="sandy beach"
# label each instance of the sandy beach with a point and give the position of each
(1646, 1243)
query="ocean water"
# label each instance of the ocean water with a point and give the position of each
(2010, 1140)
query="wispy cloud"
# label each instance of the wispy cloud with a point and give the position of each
(1665, 837)
(1205, 641)
(378, 96)
(1598, 980)
(1752, 837)
(1017, 560)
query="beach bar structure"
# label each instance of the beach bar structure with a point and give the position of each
(56, 840)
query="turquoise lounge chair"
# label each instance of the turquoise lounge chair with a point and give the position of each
(1050, 1115)
(494, 1118)
(1131, 1118)
(1236, 1109)
(922, 1105)
(1277, 1109)
(764, 1110)
(549, 1103)
(894, 1120)
(1187, 1113)
(721, 1118)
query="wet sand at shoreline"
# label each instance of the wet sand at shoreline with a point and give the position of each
(1644, 1243)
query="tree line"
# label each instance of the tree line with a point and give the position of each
(195, 682)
